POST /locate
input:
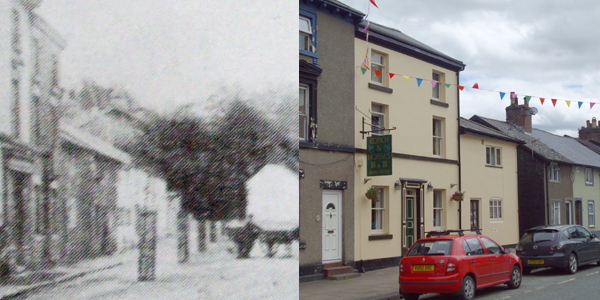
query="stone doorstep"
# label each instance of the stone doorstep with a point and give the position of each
(353, 274)
(337, 270)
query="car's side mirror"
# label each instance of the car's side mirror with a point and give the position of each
(594, 235)
(506, 251)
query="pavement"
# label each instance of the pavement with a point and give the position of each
(32, 280)
(380, 284)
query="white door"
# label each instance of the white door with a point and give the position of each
(332, 236)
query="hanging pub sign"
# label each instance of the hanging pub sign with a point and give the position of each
(379, 155)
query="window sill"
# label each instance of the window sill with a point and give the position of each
(439, 103)
(589, 184)
(309, 53)
(496, 221)
(380, 88)
(492, 166)
(376, 237)
(552, 181)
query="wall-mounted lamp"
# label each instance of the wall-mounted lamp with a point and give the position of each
(429, 187)
(367, 180)
(397, 185)
(453, 184)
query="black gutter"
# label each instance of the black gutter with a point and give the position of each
(459, 160)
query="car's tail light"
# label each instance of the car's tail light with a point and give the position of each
(452, 266)
(557, 247)
(401, 268)
(519, 247)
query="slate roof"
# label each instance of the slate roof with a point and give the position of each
(569, 147)
(531, 141)
(471, 127)
(342, 5)
(395, 36)
(591, 145)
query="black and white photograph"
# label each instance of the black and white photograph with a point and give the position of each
(148, 150)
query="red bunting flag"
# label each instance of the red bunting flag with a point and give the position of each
(377, 73)
(476, 86)
(460, 87)
(373, 1)
(542, 100)
(554, 102)
(392, 75)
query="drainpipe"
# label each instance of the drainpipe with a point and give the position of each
(546, 174)
(459, 163)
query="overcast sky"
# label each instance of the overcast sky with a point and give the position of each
(541, 48)
(168, 53)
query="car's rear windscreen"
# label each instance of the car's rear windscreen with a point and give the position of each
(539, 236)
(440, 247)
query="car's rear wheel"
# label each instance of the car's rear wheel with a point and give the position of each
(467, 289)
(572, 268)
(410, 296)
(526, 271)
(515, 278)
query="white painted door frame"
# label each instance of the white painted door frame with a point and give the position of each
(327, 199)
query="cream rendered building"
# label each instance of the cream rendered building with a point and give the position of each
(489, 178)
(416, 197)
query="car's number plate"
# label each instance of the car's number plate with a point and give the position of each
(535, 261)
(423, 268)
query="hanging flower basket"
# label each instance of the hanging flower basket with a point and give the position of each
(371, 193)
(458, 196)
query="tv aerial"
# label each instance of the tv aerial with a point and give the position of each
(533, 110)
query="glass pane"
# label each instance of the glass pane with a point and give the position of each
(498, 157)
(374, 76)
(436, 146)
(437, 217)
(435, 77)
(377, 108)
(302, 100)
(305, 25)
(303, 42)
(493, 158)
(302, 127)
(376, 58)
(436, 91)
(487, 155)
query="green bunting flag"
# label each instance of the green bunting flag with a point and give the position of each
(527, 98)
(447, 85)
(363, 70)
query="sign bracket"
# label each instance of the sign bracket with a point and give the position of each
(368, 132)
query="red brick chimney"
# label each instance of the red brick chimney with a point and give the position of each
(519, 115)
(591, 131)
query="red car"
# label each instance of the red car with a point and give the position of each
(456, 263)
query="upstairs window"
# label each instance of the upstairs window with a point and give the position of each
(493, 156)
(589, 176)
(437, 136)
(377, 119)
(377, 67)
(305, 33)
(554, 172)
(303, 112)
(437, 93)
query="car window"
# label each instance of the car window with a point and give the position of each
(539, 236)
(474, 247)
(573, 233)
(565, 234)
(491, 246)
(440, 247)
(583, 233)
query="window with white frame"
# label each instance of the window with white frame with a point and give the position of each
(555, 219)
(591, 214)
(554, 172)
(303, 111)
(437, 92)
(377, 67)
(589, 176)
(305, 33)
(495, 209)
(378, 211)
(377, 118)
(437, 208)
(493, 156)
(437, 136)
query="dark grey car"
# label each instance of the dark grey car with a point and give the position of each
(558, 246)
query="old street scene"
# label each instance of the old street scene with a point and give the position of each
(132, 166)
(488, 132)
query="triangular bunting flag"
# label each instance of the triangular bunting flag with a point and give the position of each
(514, 95)
(579, 103)
(447, 85)
(460, 87)
(392, 75)
(568, 103)
(542, 100)
(554, 102)
(405, 78)
(527, 98)
(377, 73)
(363, 70)
(592, 104)
(476, 86)
(373, 1)
(433, 83)
(365, 27)
(502, 95)
(419, 80)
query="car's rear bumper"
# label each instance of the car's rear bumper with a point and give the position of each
(557, 260)
(440, 285)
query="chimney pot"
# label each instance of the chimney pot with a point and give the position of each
(594, 122)
(587, 123)
(514, 100)
(525, 101)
